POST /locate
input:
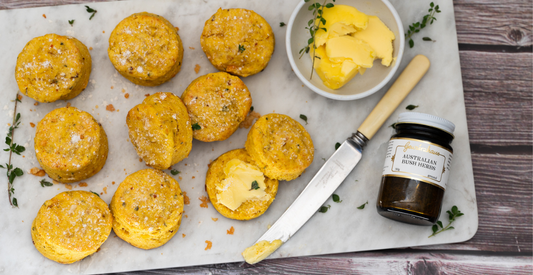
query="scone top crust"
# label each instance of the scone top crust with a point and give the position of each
(214, 185)
(53, 67)
(77, 221)
(280, 146)
(160, 130)
(218, 103)
(146, 47)
(69, 140)
(238, 41)
(149, 201)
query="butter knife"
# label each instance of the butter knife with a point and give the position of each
(337, 167)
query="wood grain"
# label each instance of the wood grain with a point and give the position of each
(498, 97)
(493, 22)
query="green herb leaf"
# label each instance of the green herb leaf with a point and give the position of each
(411, 43)
(324, 209)
(411, 107)
(393, 125)
(71, 22)
(336, 198)
(95, 193)
(417, 26)
(196, 126)
(337, 145)
(281, 24)
(255, 185)
(252, 109)
(435, 228)
(136, 208)
(304, 118)
(453, 214)
(93, 11)
(44, 183)
(427, 39)
(174, 172)
(241, 48)
(440, 224)
(15, 203)
(362, 206)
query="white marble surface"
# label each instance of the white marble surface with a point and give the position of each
(343, 228)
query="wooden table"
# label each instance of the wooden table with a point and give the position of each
(495, 45)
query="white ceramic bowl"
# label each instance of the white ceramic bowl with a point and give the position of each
(361, 85)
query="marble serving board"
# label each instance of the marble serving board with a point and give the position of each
(343, 228)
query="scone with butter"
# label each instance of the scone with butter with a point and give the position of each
(146, 49)
(280, 146)
(70, 145)
(160, 130)
(147, 208)
(217, 104)
(71, 226)
(237, 188)
(53, 67)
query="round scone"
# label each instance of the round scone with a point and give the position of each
(280, 146)
(238, 41)
(160, 130)
(70, 145)
(53, 67)
(223, 183)
(146, 49)
(147, 208)
(217, 103)
(71, 226)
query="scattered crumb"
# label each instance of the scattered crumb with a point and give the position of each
(19, 97)
(32, 124)
(302, 85)
(183, 235)
(126, 95)
(101, 193)
(193, 177)
(209, 245)
(186, 199)
(177, 28)
(112, 87)
(214, 219)
(204, 201)
(180, 178)
(90, 48)
(230, 231)
(68, 186)
(186, 216)
(103, 31)
(110, 108)
(197, 68)
(96, 106)
(105, 190)
(36, 103)
(44, 15)
(192, 48)
(123, 90)
(140, 160)
(37, 172)
(185, 164)
(146, 95)
(113, 183)
(249, 120)
(68, 104)
(82, 184)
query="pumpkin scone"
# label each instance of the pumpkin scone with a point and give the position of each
(53, 67)
(160, 130)
(217, 103)
(71, 226)
(147, 208)
(238, 41)
(70, 145)
(146, 49)
(237, 188)
(280, 146)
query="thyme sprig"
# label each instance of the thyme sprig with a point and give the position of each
(313, 27)
(13, 173)
(89, 10)
(416, 27)
(452, 215)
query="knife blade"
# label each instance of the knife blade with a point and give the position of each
(337, 167)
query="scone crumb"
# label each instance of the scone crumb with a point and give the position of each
(209, 245)
(90, 48)
(44, 15)
(193, 177)
(140, 160)
(19, 97)
(249, 120)
(32, 125)
(36, 171)
(68, 104)
(214, 219)
(147, 95)
(68, 186)
(197, 68)
(192, 48)
(203, 199)
(183, 235)
(105, 189)
(127, 95)
(186, 199)
(36, 103)
(123, 90)
(230, 231)
(82, 184)
(113, 182)
(112, 87)
(110, 108)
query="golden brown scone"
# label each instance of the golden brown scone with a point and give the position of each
(146, 49)
(53, 67)
(147, 208)
(71, 226)
(214, 184)
(238, 41)
(217, 103)
(280, 146)
(160, 130)
(70, 145)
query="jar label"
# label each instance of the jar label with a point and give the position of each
(418, 159)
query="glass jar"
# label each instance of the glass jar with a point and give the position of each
(416, 170)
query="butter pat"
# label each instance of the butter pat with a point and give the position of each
(349, 45)
(260, 251)
(237, 187)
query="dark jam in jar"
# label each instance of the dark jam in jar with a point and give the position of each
(416, 170)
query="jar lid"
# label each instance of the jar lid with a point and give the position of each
(428, 120)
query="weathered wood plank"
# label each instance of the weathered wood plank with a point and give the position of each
(499, 97)
(491, 22)
(367, 263)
